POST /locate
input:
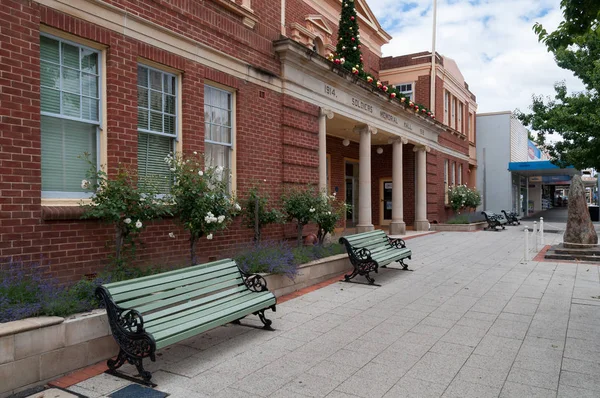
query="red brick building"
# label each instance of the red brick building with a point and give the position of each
(243, 81)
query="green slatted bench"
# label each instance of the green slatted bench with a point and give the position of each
(149, 313)
(370, 250)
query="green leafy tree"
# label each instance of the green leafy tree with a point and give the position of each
(576, 117)
(256, 213)
(200, 198)
(299, 204)
(328, 212)
(348, 49)
(119, 201)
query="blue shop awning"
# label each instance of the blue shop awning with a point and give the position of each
(540, 168)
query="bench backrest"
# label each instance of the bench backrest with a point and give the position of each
(370, 240)
(205, 282)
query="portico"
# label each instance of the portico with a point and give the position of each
(372, 152)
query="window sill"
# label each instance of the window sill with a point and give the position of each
(248, 17)
(61, 213)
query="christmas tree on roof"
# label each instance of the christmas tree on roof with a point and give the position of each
(348, 52)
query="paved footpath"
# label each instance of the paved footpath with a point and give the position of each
(472, 320)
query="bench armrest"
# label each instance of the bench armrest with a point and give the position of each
(254, 282)
(397, 243)
(127, 320)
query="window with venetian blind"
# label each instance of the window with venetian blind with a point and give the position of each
(70, 115)
(157, 125)
(218, 128)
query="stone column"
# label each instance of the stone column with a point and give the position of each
(324, 114)
(421, 222)
(397, 226)
(365, 222)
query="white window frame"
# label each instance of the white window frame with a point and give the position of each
(175, 136)
(98, 123)
(233, 130)
(460, 113)
(403, 89)
(453, 174)
(446, 187)
(453, 112)
(446, 106)
(460, 170)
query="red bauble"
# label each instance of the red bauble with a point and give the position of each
(353, 39)
(352, 18)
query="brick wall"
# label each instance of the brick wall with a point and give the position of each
(74, 247)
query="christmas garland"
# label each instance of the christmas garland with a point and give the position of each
(390, 90)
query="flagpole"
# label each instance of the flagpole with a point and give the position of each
(433, 68)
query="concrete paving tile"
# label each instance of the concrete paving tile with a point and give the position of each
(413, 314)
(285, 368)
(502, 363)
(510, 329)
(579, 366)
(482, 316)
(356, 359)
(565, 391)
(507, 316)
(464, 335)
(283, 343)
(534, 378)
(398, 360)
(438, 322)
(458, 350)
(431, 330)
(332, 370)
(85, 392)
(580, 344)
(516, 390)
(165, 380)
(406, 346)
(227, 393)
(444, 314)
(311, 385)
(285, 393)
(540, 363)
(367, 344)
(344, 311)
(417, 338)
(339, 394)
(409, 387)
(437, 368)
(364, 387)
(475, 323)
(297, 317)
(260, 384)
(103, 384)
(581, 380)
(465, 389)
(388, 328)
(301, 333)
(211, 382)
(176, 353)
(488, 377)
(492, 345)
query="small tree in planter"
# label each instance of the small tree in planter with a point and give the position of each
(299, 206)
(328, 212)
(120, 201)
(256, 214)
(473, 199)
(200, 198)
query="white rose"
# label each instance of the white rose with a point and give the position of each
(172, 169)
(171, 235)
(195, 153)
(220, 219)
(138, 224)
(127, 220)
(312, 210)
(200, 173)
(85, 184)
(237, 207)
(209, 236)
(207, 219)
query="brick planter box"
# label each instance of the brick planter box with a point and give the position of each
(35, 351)
(459, 227)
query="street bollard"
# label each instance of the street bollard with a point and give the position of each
(535, 245)
(542, 232)
(526, 245)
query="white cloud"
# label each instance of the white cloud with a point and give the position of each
(492, 42)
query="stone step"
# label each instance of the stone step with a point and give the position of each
(552, 255)
(578, 252)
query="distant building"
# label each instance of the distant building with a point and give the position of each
(513, 174)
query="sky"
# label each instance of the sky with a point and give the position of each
(492, 42)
